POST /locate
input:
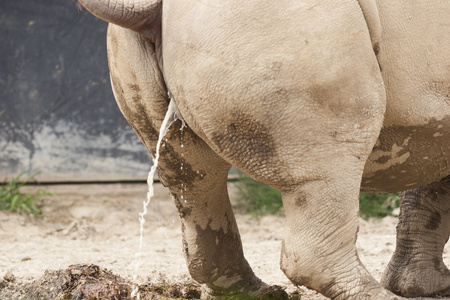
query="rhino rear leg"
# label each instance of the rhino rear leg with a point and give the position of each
(318, 249)
(195, 175)
(197, 179)
(416, 268)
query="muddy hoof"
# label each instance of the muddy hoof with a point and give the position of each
(267, 293)
(274, 292)
(409, 280)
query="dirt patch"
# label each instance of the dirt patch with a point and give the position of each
(93, 282)
(88, 236)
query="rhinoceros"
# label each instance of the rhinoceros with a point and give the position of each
(319, 99)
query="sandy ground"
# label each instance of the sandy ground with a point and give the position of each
(98, 224)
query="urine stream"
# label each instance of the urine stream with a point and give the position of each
(171, 116)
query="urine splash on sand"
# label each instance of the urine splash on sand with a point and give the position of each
(171, 116)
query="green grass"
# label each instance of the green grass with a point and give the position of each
(260, 199)
(12, 199)
(257, 197)
(377, 205)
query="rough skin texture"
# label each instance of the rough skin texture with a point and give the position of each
(320, 99)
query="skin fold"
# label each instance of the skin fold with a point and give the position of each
(319, 99)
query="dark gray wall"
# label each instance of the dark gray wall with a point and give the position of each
(57, 112)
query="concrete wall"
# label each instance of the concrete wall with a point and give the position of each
(57, 112)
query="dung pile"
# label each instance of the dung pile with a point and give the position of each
(80, 282)
(88, 281)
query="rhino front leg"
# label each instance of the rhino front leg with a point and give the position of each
(416, 268)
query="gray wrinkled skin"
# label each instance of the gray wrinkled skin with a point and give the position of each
(320, 99)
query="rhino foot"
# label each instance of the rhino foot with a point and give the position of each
(417, 279)
(265, 292)
(416, 269)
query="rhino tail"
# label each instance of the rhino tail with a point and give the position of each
(138, 15)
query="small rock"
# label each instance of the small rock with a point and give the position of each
(396, 212)
(9, 277)
(191, 291)
(295, 296)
